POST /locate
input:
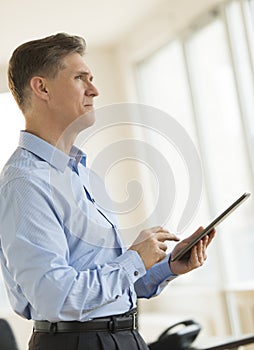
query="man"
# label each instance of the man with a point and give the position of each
(61, 254)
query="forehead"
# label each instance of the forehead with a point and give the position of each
(75, 63)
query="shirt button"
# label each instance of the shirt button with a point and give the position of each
(135, 273)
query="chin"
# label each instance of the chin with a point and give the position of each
(89, 118)
(86, 120)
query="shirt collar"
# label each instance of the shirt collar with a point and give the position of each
(49, 153)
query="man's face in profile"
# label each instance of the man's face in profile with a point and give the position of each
(71, 92)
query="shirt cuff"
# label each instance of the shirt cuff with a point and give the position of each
(165, 270)
(132, 263)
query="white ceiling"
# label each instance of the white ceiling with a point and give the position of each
(101, 22)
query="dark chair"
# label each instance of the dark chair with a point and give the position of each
(184, 338)
(7, 338)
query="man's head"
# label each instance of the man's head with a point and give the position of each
(43, 57)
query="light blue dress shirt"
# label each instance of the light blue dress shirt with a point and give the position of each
(61, 254)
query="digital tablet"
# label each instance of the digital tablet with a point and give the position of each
(211, 226)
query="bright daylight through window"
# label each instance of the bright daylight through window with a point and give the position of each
(205, 81)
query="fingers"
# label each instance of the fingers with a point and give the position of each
(195, 257)
(158, 229)
(211, 236)
(151, 245)
(198, 253)
(201, 251)
(205, 244)
(166, 236)
(207, 240)
(195, 260)
(163, 234)
(163, 246)
(156, 233)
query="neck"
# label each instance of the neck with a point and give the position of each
(61, 139)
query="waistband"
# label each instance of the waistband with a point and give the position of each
(115, 323)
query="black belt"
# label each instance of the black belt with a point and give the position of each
(113, 323)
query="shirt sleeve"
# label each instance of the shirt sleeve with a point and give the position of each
(155, 280)
(36, 255)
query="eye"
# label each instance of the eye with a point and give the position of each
(79, 77)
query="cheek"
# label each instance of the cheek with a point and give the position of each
(72, 102)
(59, 98)
(77, 97)
(67, 100)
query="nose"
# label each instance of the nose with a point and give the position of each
(92, 90)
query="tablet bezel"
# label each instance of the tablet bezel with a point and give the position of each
(211, 226)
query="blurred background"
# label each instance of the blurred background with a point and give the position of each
(194, 60)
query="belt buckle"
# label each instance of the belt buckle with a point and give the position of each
(53, 327)
(134, 323)
(113, 324)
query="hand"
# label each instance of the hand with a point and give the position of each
(150, 245)
(197, 256)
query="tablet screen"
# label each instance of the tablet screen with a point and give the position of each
(212, 225)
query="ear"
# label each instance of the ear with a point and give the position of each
(39, 87)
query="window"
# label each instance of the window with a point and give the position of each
(222, 135)
(163, 83)
(205, 80)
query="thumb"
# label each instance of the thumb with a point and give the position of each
(195, 234)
